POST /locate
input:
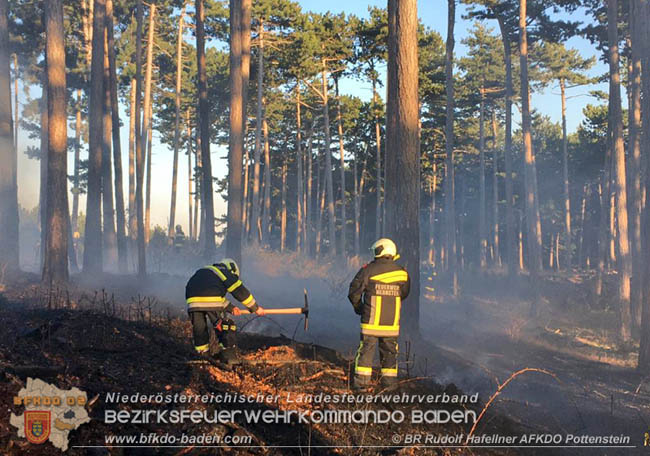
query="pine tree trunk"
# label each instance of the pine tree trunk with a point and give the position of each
(565, 178)
(616, 117)
(432, 211)
(77, 152)
(255, 216)
(642, 38)
(283, 213)
(482, 229)
(147, 204)
(204, 123)
(342, 166)
(9, 254)
(42, 199)
(450, 212)
(246, 70)
(329, 183)
(140, 138)
(55, 267)
(266, 217)
(133, 224)
(300, 189)
(496, 254)
(511, 252)
(117, 148)
(189, 173)
(236, 150)
(636, 203)
(309, 216)
(146, 127)
(532, 234)
(581, 241)
(110, 236)
(377, 164)
(93, 257)
(402, 145)
(177, 122)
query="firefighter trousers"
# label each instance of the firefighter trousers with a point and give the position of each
(366, 354)
(224, 328)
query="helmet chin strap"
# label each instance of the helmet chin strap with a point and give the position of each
(396, 257)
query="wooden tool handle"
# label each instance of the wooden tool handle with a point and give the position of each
(292, 310)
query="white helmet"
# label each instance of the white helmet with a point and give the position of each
(231, 265)
(384, 247)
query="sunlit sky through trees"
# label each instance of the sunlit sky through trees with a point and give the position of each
(433, 13)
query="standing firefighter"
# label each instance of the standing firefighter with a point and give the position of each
(376, 293)
(205, 294)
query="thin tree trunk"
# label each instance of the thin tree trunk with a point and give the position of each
(204, 121)
(110, 236)
(377, 163)
(146, 127)
(403, 150)
(189, 174)
(309, 218)
(635, 167)
(198, 209)
(450, 213)
(266, 217)
(133, 224)
(77, 151)
(320, 204)
(255, 222)
(246, 69)
(496, 255)
(147, 204)
(42, 199)
(283, 213)
(533, 235)
(339, 121)
(583, 211)
(616, 117)
(9, 254)
(329, 184)
(177, 122)
(93, 258)
(432, 212)
(565, 179)
(510, 216)
(300, 189)
(140, 138)
(55, 267)
(482, 229)
(117, 147)
(236, 149)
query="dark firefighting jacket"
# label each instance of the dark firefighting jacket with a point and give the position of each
(207, 288)
(376, 293)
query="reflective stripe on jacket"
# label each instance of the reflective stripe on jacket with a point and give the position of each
(207, 288)
(376, 293)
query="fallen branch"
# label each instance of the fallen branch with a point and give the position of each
(501, 388)
(336, 372)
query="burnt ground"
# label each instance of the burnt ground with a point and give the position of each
(133, 336)
(100, 347)
(595, 388)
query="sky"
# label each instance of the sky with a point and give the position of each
(433, 13)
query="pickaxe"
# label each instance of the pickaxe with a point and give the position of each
(292, 310)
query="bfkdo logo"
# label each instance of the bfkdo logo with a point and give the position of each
(49, 414)
(37, 426)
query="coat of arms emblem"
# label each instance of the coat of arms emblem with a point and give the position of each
(37, 426)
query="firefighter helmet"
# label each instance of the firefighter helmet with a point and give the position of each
(384, 247)
(231, 265)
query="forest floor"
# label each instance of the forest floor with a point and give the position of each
(118, 334)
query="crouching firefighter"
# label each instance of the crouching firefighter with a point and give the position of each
(205, 294)
(376, 293)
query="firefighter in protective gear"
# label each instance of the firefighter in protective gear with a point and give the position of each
(205, 294)
(376, 293)
(179, 238)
